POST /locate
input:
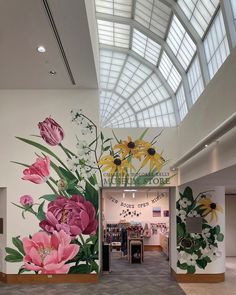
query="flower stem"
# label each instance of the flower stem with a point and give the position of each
(52, 188)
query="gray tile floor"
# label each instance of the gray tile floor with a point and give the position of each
(150, 277)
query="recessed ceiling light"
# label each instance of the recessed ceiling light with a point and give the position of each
(130, 190)
(41, 49)
(206, 145)
(52, 72)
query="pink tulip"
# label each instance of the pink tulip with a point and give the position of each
(26, 200)
(51, 132)
(48, 254)
(39, 171)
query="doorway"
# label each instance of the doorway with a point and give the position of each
(135, 230)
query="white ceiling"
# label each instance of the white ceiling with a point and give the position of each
(24, 25)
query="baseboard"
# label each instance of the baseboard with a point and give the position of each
(44, 279)
(198, 278)
(152, 248)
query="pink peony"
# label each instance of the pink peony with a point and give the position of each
(51, 132)
(26, 200)
(75, 216)
(47, 254)
(39, 171)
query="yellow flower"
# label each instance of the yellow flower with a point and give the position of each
(115, 164)
(151, 156)
(130, 147)
(210, 208)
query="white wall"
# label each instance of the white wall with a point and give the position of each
(20, 112)
(3, 237)
(112, 210)
(174, 195)
(230, 225)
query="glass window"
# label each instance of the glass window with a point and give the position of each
(195, 80)
(169, 72)
(216, 45)
(113, 34)
(199, 13)
(180, 43)
(145, 47)
(114, 7)
(233, 4)
(181, 102)
(154, 15)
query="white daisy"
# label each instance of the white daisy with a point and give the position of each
(184, 203)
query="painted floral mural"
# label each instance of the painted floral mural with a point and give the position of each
(66, 240)
(197, 250)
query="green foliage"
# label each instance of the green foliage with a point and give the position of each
(91, 194)
(18, 244)
(13, 255)
(49, 197)
(41, 214)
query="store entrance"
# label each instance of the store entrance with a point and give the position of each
(135, 228)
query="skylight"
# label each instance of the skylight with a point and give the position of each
(123, 117)
(170, 72)
(113, 34)
(133, 74)
(181, 101)
(145, 47)
(180, 43)
(114, 7)
(195, 80)
(199, 12)
(154, 15)
(216, 45)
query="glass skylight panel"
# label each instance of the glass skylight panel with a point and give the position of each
(150, 93)
(170, 72)
(114, 7)
(113, 34)
(153, 14)
(180, 43)
(181, 101)
(160, 115)
(109, 102)
(199, 12)
(233, 4)
(216, 45)
(195, 80)
(133, 74)
(111, 64)
(122, 118)
(145, 47)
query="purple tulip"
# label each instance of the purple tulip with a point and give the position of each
(75, 216)
(51, 132)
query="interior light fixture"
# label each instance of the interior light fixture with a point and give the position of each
(53, 73)
(130, 190)
(41, 49)
(123, 195)
(133, 195)
(206, 145)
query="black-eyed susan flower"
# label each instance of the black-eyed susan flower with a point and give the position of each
(210, 207)
(115, 164)
(130, 147)
(152, 156)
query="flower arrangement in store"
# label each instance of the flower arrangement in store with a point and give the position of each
(197, 250)
(67, 237)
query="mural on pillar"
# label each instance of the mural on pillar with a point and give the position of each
(67, 238)
(197, 249)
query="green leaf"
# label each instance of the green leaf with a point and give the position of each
(73, 191)
(102, 136)
(144, 133)
(188, 193)
(42, 148)
(12, 258)
(217, 229)
(18, 244)
(18, 206)
(91, 194)
(183, 266)
(22, 270)
(181, 230)
(220, 237)
(50, 197)
(83, 268)
(202, 263)
(115, 136)
(106, 148)
(191, 269)
(21, 164)
(108, 139)
(94, 266)
(41, 214)
(67, 175)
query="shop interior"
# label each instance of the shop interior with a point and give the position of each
(135, 226)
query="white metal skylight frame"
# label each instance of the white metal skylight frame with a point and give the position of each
(150, 21)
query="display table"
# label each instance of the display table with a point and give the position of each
(135, 250)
